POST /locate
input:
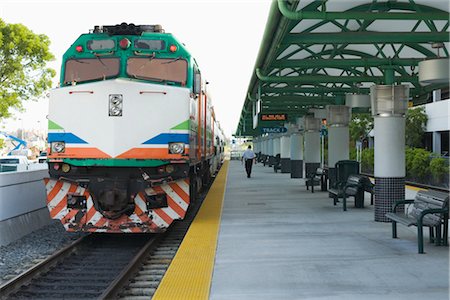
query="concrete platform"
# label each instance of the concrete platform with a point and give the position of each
(279, 241)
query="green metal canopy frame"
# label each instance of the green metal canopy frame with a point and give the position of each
(314, 52)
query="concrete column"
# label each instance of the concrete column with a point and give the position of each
(389, 105)
(276, 146)
(312, 151)
(285, 153)
(437, 142)
(255, 145)
(338, 137)
(312, 144)
(270, 145)
(296, 155)
(338, 140)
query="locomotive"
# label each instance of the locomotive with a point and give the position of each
(132, 132)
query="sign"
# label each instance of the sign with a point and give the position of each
(273, 129)
(273, 117)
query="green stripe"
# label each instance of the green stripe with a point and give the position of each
(53, 125)
(182, 126)
(115, 162)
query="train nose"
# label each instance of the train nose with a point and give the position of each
(114, 204)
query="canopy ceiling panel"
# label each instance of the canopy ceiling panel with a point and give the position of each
(314, 52)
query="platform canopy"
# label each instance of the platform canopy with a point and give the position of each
(314, 52)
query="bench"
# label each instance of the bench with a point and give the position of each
(352, 187)
(430, 209)
(316, 178)
(277, 163)
(355, 186)
(369, 187)
(338, 179)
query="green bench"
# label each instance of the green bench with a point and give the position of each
(429, 209)
(343, 169)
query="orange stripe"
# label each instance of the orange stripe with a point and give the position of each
(90, 214)
(46, 180)
(73, 152)
(54, 211)
(163, 215)
(151, 153)
(180, 192)
(100, 222)
(63, 203)
(173, 205)
(133, 229)
(54, 191)
(70, 215)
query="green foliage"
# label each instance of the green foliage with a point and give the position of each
(23, 72)
(438, 168)
(367, 160)
(417, 162)
(416, 121)
(360, 126)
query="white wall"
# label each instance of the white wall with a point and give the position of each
(21, 192)
(438, 115)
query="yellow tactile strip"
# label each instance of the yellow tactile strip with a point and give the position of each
(190, 273)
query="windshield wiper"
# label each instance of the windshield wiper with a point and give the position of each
(100, 60)
(173, 60)
(157, 79)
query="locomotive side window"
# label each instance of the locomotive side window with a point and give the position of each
(158, 69)
(101, 44)
(87, 69)
(149, 44)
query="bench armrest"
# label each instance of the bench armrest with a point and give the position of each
(430, 211)
(400, 202)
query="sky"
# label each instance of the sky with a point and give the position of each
(223, 36)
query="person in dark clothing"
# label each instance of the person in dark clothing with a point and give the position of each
(248, 156)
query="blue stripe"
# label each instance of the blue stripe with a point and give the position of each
(165, 138)
(66, 137)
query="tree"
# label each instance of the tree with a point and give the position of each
(360, 126)
(23, 72)
(416, 121)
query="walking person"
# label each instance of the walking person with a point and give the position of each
(248, 156)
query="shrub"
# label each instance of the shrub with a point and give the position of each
(438, 168)
(367, 160)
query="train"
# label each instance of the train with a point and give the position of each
(132, 132)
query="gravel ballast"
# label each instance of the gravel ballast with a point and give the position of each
(22, 254)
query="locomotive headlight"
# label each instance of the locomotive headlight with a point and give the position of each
(58, 147)
(176, 148)
(115, 105)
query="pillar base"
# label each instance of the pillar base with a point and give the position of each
(285, 165)
(296, 168)
(332, 176)
(271, 160)
(310, 168)
(387, 191)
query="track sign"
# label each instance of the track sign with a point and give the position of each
(274, 117)
(273, 129)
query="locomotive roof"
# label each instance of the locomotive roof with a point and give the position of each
(127, 29)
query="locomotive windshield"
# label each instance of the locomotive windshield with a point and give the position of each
(173, 69)
(86, 69)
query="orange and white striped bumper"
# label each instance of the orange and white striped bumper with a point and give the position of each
(141, 220)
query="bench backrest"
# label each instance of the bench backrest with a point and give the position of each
(345, 168)
(430, 200)
(355, 180)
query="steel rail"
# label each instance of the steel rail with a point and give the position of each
(12, 285)
(131, 269)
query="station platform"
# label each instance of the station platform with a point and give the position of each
(276, 240)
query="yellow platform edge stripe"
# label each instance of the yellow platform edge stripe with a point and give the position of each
(190, 273)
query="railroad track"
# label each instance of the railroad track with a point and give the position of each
(103, 266)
